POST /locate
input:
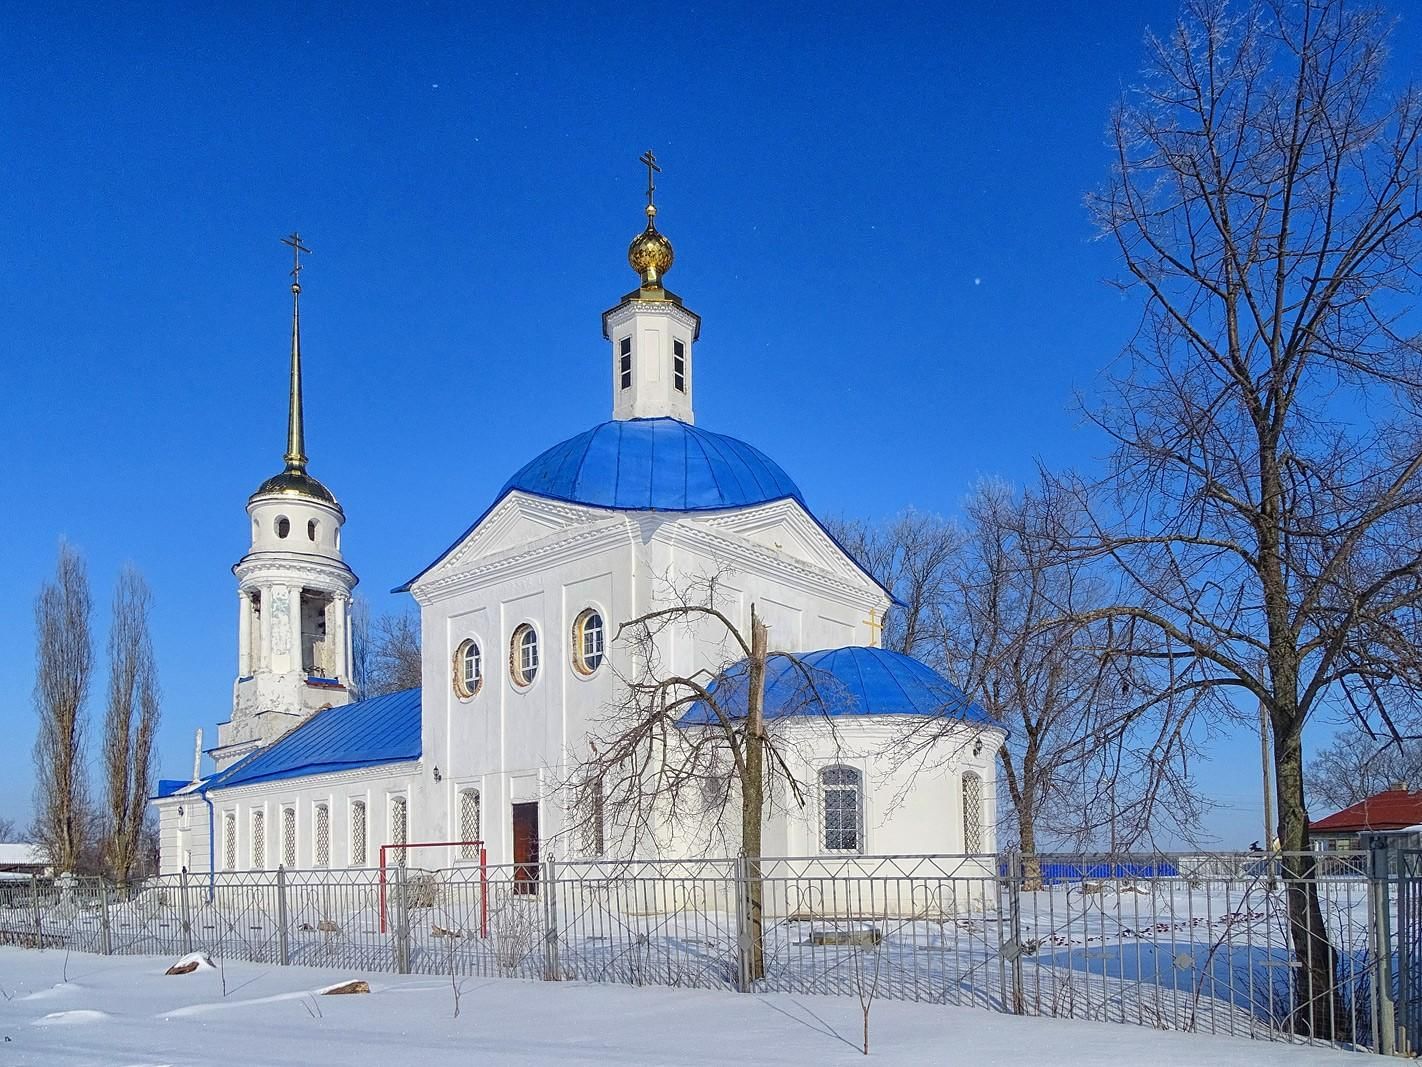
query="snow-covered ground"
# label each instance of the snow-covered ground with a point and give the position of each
(124, 1012)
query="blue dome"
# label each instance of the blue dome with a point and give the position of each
(654, 465)
(847, 681)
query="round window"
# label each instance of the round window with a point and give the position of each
(588, 639)
(523, 655)
(468, 669)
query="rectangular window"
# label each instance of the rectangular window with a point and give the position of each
(679, 366)
(624, 364)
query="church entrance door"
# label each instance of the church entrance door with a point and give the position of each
(525, 847)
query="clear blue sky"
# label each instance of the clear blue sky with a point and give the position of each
(877, 212)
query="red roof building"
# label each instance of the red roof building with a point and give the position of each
(1392, 809)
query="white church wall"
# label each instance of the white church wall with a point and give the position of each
(372, 787)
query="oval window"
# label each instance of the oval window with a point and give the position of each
(523, 655)
(283, 526)
(588, 642)
(468, 669)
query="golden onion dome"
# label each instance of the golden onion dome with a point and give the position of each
(296, 482)
(650, 253)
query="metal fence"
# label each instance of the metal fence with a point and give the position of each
(1284, 947)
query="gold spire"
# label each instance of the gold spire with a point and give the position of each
(650, 254)
(295, 434)
(294, 480)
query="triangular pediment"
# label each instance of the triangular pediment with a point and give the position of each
(786, 529)
(518, 523)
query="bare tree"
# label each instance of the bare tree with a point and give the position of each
(649, 769)
(1099, 745)
(1099, 748)
(8, 830)
(913, 554)
(386, 650)
(1268, 506)
(1355, 765)
(130, 725)
(64, 664)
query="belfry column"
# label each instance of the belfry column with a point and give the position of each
(244, 635)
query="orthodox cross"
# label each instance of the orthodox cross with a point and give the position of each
(652, 170)
(875, 622)
(293, 241)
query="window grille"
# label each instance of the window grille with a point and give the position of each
(288, 837)
(972, 813)
(843, 809)
(398, 822)
(469, 829)
(322, 820)
(358, 833)
(229, 841)
(259, 840)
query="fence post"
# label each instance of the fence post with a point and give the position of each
(106, 937)
(743, 945)
(1009, 876)
(283, 955)
(550, 920)
(1384, 1009)
(35, 907)
(187, 913)
(402, 920)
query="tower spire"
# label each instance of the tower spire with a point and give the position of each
(650, 253)
(295, 432)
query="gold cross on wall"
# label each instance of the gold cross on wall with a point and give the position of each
(875, 622)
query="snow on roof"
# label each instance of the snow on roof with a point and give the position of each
(21, 854)
(1392, 809)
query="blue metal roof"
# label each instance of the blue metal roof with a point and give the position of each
(384, 729)
(654, 465)
(844, 681)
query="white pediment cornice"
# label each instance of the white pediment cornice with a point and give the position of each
(500, 548)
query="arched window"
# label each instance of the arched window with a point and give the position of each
(322, 834)
(399, 821)
(468, 669)
(259, 840)
(357, 833)
(229, 841)
(523, 655)
(283, 526)
(469, 824)
(312, 529)
(842, 802)
(288, 837)
(587, 641)
(972, 813)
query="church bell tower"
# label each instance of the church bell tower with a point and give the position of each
(651, 331)
(293, 590)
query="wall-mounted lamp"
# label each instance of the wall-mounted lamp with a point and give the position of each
(439, 778)
(977, 751)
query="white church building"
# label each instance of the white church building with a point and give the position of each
(520, 664)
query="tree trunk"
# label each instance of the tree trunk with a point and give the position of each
(753, 797)
(1318, 1008)
(1027, 832)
